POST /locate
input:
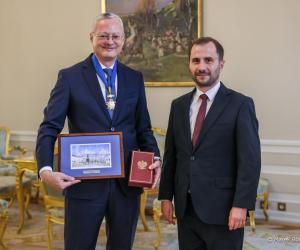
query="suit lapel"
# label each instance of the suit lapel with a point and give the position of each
(186, 119)
(121, 90)
(220, 102)
(90, 77)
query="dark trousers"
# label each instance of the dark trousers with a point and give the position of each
(83, 218)
(193, 234)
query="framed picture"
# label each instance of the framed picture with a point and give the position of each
(91, 155)
(158, 35)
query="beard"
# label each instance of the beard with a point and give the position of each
(213, 78)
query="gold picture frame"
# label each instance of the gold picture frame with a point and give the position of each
(178, 17)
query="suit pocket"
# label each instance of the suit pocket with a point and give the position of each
(225, 183)
(131, 99)
(87, 189)
(130, 104)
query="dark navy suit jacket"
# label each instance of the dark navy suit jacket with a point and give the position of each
(223, 168)
(77, 95)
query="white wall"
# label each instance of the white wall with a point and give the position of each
(37, 39)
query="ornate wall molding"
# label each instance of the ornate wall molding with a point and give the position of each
(268, 146)
(280, 146)
(285, 217)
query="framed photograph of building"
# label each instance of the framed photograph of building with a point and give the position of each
(91, 155)
(158, 35)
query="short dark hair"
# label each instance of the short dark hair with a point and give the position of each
(206, 40)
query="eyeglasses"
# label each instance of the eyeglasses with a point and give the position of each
(104, 37)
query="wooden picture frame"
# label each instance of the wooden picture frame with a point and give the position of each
(91, 155)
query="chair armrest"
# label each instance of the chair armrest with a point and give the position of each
(3, 205)
(18, 148)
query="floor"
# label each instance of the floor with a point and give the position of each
(33, 236)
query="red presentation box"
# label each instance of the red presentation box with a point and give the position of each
(140, 175)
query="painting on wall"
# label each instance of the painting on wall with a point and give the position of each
(158, 35)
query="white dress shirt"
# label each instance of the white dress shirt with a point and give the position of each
(196, 102)
(102, 85)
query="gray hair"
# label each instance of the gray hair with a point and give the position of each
(103, 16)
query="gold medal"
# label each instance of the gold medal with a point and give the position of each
(110, 100)
(110, 104)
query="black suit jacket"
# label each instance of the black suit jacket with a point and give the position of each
(77, 95)
(223, 168)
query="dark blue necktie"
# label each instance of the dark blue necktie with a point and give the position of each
(109, 89)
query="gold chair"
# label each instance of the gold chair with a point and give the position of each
(25, 174)
(263, 196)
(3, 221)
(159, 135)
(54, 206)
(6, 149)
(7, 196)
(156, 219)
(147, 192)
(54, 210)
(8, 183)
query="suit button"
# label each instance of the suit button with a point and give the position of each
(112, 129)
(192, 158)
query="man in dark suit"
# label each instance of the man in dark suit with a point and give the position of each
(212, 162)
(99, 94)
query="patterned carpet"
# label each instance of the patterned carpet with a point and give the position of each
(33, 236)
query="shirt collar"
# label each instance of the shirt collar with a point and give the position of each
(211, 93)
(104, 67)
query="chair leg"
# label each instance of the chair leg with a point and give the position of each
(23, 196)
(20, 197)
(27, 200)
(4, 218)
(36, 197)
(142, 211)
(265, 206)
(49, 231)
(156, 219)
(252, 220)
(12, 199)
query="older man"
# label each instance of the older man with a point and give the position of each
(92, 103)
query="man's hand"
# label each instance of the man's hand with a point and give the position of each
(157, 171)
(237, 218)
(167, 211)
(57, 180)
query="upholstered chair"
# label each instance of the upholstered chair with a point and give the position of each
(25, 179)
(8, 153)
(54, 207)
(3, 221)
(263, 197)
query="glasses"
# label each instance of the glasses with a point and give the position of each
(103, 37)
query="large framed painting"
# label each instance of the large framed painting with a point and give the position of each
(158, 36)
